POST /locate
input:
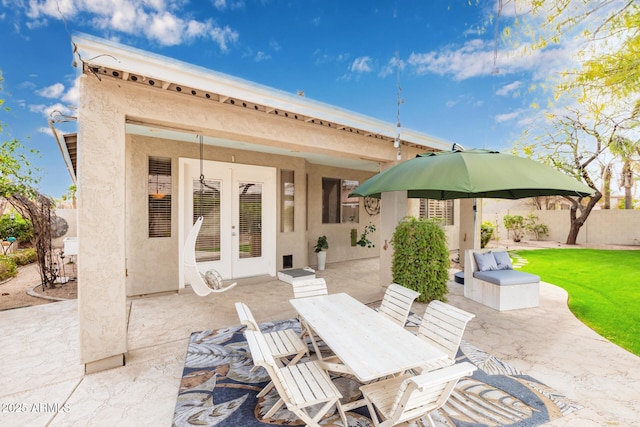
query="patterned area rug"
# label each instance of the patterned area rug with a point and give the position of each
(219, 387)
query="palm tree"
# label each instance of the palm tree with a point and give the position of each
(628, 152)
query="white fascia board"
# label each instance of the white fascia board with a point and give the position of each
(100, 52)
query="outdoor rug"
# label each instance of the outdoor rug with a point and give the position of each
(219, 388)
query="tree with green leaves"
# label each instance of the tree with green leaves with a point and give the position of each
(18, 181)
(601, 92)
(16, 172)
(607, 32)
(628, 151)
(577, 141)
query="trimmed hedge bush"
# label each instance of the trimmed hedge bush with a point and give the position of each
(8, 268)
(25, 256)
(421, 258)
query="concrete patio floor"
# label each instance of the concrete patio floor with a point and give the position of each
(42, 381)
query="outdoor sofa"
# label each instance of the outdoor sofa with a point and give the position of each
(489, 279)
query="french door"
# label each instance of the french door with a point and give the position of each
(237, 203)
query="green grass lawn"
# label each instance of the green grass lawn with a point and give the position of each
(603, 287)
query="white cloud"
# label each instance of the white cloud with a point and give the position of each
(72, 96)
(158, 20)
(224, 37)
(261, 56)
(361, 65)
(45, 130)
(507, 89)
(53, 91)
(478, 58)
(167, 29)
(49, 111)
(52, 8)
(465, 99)
(274, 45)
(506, 117)
(321, 56)
(224, 4)
(392, 67)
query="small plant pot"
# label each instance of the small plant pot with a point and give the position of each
(322, 259)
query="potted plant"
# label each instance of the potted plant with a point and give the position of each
(320, 249)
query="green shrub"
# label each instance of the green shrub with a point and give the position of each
(421, 258)
(24, 257)
(516, 225)
(8, 268)
(538, 230)
(486, 233)
(18, 227)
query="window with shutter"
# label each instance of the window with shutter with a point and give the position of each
(437, 209)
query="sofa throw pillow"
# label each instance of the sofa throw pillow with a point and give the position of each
(503, 260)
(213, 279)
(485, 261)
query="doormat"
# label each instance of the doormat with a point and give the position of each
(219, 387)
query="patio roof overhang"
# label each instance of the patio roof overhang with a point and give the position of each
(106, 59)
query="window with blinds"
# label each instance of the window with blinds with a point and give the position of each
(206, 203)
(441, 210)
(159, 197)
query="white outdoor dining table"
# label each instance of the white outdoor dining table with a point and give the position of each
(368, 344)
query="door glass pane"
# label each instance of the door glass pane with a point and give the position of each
(250, 219)
(159, 197)
(206, 202)
(330, 201)
(287, 197)
(350, 205)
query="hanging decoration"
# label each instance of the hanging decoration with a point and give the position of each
(211, 281)
(372, 205)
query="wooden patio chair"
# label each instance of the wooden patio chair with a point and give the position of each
(409, 398)
(443, 326)
(285, 346)
(304, 289)
(300, 386)
(397, 302)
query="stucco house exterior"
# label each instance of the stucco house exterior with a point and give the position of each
(276, 169)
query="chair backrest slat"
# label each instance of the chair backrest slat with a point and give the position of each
(427, 392)
(246, 317)
(309, 288)
(443, 326)
(397, 302)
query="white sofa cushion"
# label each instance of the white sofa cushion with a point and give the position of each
(506, 277)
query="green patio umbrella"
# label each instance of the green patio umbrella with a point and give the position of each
(471, 174)
(466, 174)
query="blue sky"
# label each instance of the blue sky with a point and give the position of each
(458, 82)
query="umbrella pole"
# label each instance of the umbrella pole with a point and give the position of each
(475, 212)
